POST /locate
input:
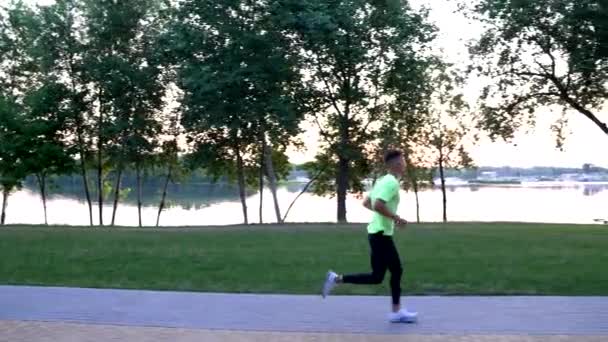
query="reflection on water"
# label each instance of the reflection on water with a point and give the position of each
(187, 196)
(593, 189)
(206, 204)
(587, 189)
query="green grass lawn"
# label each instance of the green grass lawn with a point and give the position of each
(476, 258)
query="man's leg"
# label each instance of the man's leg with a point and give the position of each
(394, 266)
(378, 261)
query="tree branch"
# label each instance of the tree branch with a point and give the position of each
(522, 99)
(321, 131)
(528, 73)
(547, 50)
(303, 191)
(574, 104)
(563, 94)
(331, 96)
(563, 90)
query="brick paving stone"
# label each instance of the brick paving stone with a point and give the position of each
(30, 331)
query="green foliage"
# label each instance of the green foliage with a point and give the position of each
(349, 50)
(450, 122)
(12, 169)
(326, 164)
(538, 54)
(60, 51)
(120, 61)
(17, 33)
(46, 134)
(240, 84)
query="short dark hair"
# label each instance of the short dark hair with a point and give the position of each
(391, 155)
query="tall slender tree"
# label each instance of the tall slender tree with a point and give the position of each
(61, 47)
(240, 85)
(123, 72)
(17, 67)
(348, 49)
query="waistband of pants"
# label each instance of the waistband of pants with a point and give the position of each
(379, 234)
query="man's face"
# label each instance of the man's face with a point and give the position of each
(401, 165)
(398, 165)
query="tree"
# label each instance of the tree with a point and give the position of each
(61, 50)
(276, 166)
(48, 104)
(121, 68)
(408, 116)
(418, 177)
(17, 66)
(12, 168)
(348, 48)
(145, 126)
(450, 153)
(45, 152)
(541, 53)
(449, 127)
(240, 86)
(169, 158)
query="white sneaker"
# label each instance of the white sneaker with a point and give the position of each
(403, 316)
(329, 284)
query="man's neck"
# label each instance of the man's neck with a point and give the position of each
(395, 174)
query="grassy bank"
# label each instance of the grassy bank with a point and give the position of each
(479, 258)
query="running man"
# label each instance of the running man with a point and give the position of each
(383, 200)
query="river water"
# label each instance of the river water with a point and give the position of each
(556, 202)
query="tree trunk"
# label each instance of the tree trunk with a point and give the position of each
(5, 193)
(161, 206)
(116, 194)
(261, 179)
(442, 177)
(272, 178)
(241, 181)
(42, 184)
(411, 173)
(100, 191)
(83, 170)
(343, 165)
(81, 145)
(85, 183)
(415, 187)
(417, 205)
(342, 182)
(99, 161)
(138, 175)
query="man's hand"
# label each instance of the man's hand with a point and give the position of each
(380, 207)
(400, 221)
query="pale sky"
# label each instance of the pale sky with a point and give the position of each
(585, 144)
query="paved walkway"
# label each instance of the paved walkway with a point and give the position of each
(28, 310)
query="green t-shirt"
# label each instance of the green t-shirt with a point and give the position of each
(386, 189)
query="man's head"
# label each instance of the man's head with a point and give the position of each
(395, 164)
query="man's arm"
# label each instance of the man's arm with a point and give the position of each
(385, 194)
(382, 209)
(367, 203)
